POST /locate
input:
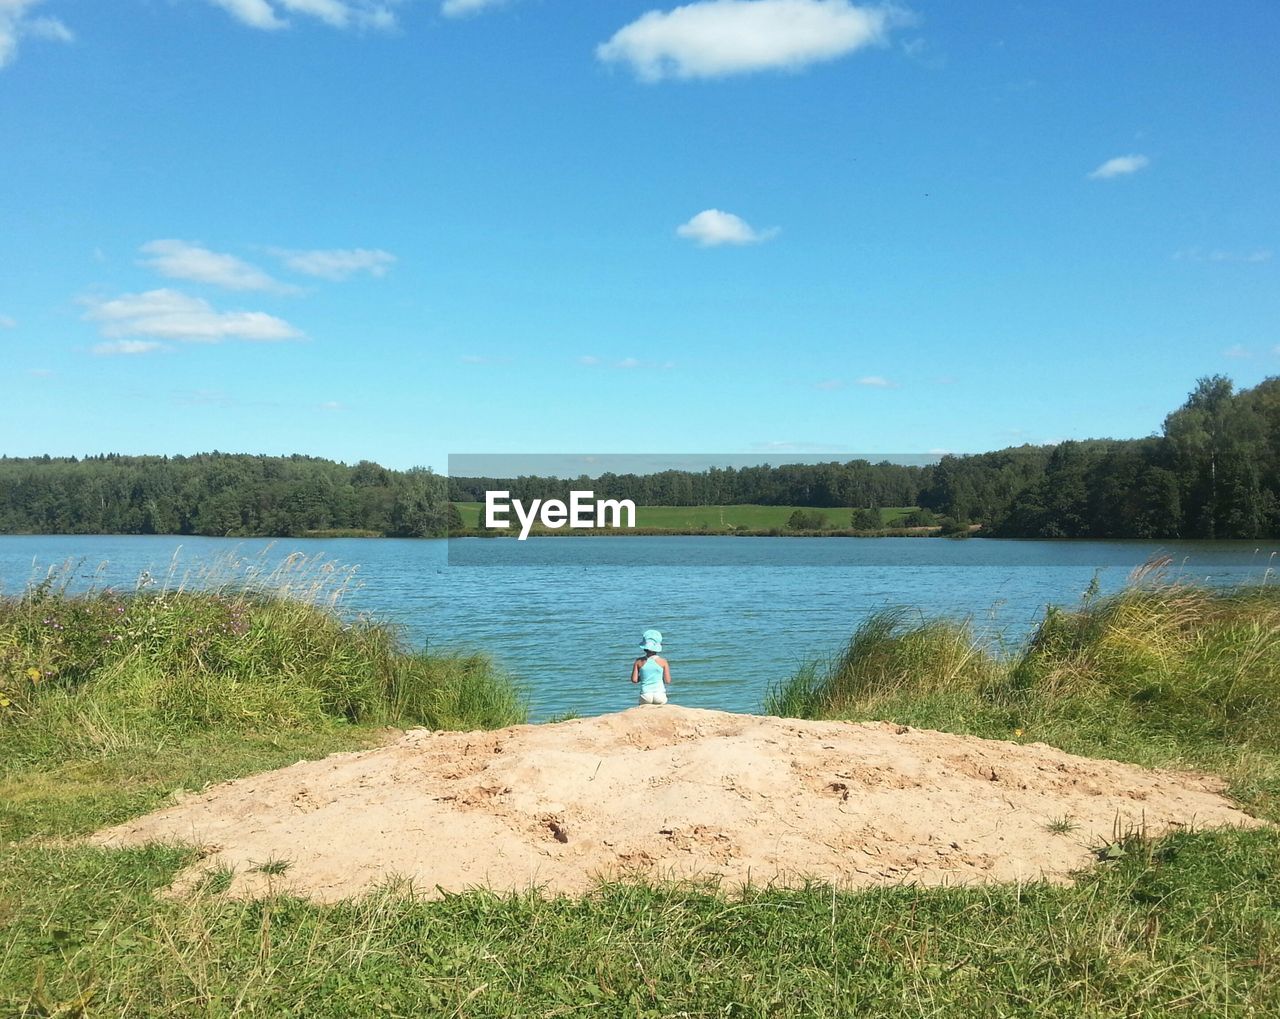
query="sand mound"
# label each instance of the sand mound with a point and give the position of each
(674, 792)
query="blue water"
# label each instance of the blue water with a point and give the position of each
(564, 615)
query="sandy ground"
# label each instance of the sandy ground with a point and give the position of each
(672, 792)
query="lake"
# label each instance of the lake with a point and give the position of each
(564, 615)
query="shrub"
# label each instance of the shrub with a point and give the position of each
(865, 519)
(806, 520)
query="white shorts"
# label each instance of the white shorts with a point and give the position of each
(658, 696)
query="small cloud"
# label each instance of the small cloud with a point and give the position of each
(830, 385)
(463, 8)
(1237, 351)
(184, 260)
(336, 264)
(877, 382)
(482, 359)
(173, 315)
(715, 38)
(1120, 166)
(712, 228)
(17, 22)
(792, 447)
(254, 13)
(924, 53)
(41, 373)
(945, 380)
(1255, 256)
(266, 14)
(8, 323)
(626, 363)
(218, 398)
(332, 405)
(127, 347)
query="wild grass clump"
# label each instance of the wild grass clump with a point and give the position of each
(1161, 674)
(888, 656)
(176, 662)
(1179, 662)
(97, 689)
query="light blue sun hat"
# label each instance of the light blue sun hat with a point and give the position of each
(651, 640)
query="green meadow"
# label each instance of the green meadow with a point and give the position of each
(718, 519)
(110, 705)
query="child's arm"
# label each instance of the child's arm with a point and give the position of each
(635, 671)
(666, 672)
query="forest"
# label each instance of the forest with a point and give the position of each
(1213, 472)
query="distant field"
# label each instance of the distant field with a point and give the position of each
(717, 518)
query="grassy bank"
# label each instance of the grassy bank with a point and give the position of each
(177, 690)
(1160, 675)
(110, 703)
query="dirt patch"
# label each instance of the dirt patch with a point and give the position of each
(674, 793)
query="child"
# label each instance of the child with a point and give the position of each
(651, 670)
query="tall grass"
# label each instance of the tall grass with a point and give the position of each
(1161, 673)
(109, 683)
(887, 656)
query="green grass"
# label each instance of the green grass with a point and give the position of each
(210, 687)
(1160, 675)
(109, 704)
(1184, 927)
(716, 519)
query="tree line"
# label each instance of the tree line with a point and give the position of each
(217, 494)
(1214, 472)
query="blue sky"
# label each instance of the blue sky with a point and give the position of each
(399, 230)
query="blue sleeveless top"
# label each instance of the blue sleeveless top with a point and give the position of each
(650, 675)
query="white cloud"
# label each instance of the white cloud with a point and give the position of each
(173, 315)
(254, 13)
(877, 382)
(17, 22)
(829, 385)
(711, 228)
(336, 264)
(266, 14)
(8, 323)
(333, 405)
(126, 347)
(1119, 167)
(1237, 351)
(183, 260)
(485, 359)
(462, 8)
(1255, 256)
(713, 38)
(626, 363)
